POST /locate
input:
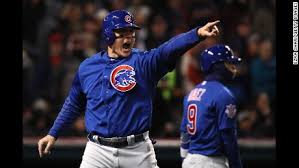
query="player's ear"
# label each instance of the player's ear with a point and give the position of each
(228, 66)
(232, 68)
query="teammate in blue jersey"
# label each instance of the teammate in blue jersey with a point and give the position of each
(115, 89)
(208, 128)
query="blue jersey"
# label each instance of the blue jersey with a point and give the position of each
(116, 94)
(209, 108)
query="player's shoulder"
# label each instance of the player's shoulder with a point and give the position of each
(146, 53)
(136, 52)
(223, 92)
(209, 85)
(219, 89)
(91, 59)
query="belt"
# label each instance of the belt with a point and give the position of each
(118, 142)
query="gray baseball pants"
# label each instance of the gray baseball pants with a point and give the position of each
(201, 161)
(139, 155)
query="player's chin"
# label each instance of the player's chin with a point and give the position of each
(125, 52)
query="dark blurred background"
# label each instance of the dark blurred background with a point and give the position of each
(59, 34)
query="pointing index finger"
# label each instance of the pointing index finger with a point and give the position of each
(214, 23)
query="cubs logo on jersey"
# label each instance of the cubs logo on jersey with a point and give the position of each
(122, 78)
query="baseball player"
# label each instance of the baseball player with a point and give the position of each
(208, 128)
(115, 89)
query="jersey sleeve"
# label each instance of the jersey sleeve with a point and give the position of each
(160, 60)
(73, 106)
(231, 149)
(184, 137)
(226, 108)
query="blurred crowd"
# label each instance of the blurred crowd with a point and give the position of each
(59, 34)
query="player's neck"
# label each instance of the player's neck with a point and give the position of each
(214, 77)
(111, 53)
(220, 73)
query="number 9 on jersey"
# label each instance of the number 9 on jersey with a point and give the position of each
(191, 115)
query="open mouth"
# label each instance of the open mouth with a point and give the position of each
(127, 46)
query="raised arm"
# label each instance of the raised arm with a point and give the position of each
(178, 45)
(163, 58)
